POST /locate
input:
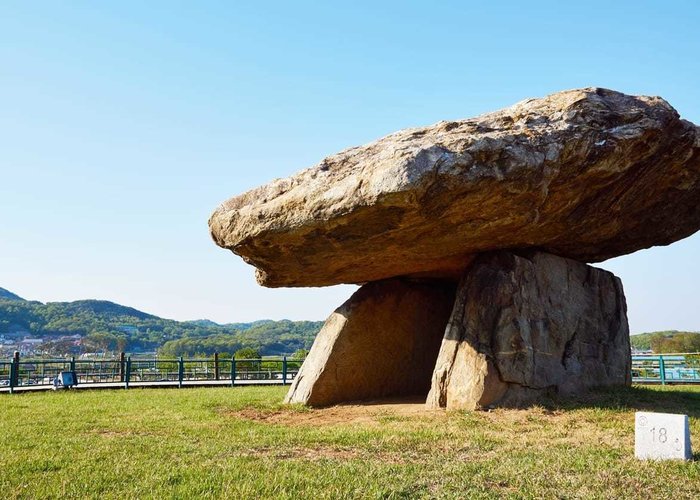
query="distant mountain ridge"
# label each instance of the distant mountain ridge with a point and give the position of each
(106, 326)
(103, 307)
(8, 295)
(245, 326)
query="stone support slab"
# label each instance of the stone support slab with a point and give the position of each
(528, 324)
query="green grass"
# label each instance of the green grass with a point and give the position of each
(242, 443)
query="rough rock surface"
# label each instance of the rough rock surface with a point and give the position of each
(382, 342)
(527, 324)
(587, 174)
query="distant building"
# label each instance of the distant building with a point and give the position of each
(32, 341)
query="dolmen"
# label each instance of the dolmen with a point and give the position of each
(471, 241)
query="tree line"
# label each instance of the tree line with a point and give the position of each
(671, 341)
(108, 327)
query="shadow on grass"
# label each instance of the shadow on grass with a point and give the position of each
(668, 399)
(640, 398)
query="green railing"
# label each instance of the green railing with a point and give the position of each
(666, 368)
(126, 370)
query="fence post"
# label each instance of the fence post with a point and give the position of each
(72, 363)
(180, 371)
(127, 375)
(216, 366)
(662, 370)
(233, 370)
(14, 372)
(284, 370)
(14, 375)
(122, 360)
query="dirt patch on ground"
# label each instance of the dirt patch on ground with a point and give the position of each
(522, 415)
(318, 453)
(112, 434)
(299, 453)
(370, 412)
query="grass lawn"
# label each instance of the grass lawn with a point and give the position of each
(242, 443)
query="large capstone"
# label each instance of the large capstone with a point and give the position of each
(382, 342)
(586, 174)
(526, 325)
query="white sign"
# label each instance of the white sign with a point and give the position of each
(661, 436)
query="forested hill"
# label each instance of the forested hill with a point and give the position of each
(8, 295)
(106, 326)
(667, 342)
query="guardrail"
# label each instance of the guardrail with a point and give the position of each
(127, 371)
(666, 368)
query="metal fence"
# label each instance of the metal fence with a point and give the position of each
(125, 371)
(666, 369)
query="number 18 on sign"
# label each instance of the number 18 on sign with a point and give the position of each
(661, 436)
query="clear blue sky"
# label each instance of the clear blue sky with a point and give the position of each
(123, 125)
